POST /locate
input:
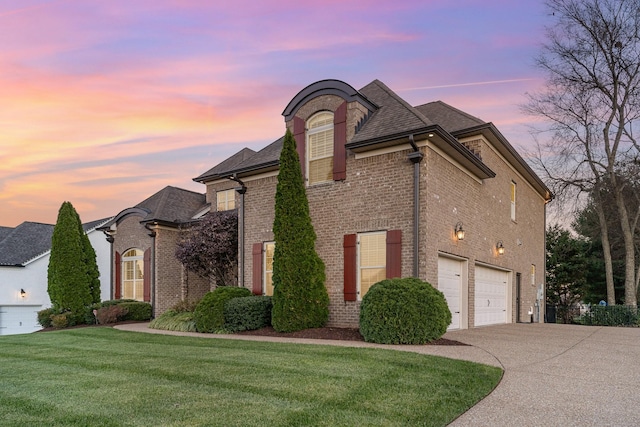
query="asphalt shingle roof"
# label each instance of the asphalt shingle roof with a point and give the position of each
(394, 116)
(449, 118)
(25, 242)
(172, 204)
(226, 165)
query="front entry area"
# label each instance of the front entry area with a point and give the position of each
(491, 296)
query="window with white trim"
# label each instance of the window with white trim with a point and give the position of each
(267, 263)
(320, 148)
(372, 260)
(226, 200)
(133, 275)
(513, 201)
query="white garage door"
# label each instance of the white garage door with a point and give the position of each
(490, 296)
(450, 284)
(19, 319)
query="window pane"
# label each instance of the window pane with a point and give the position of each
(321, 170)
(373, 251)
(268, 284)
(127, 289)
(139, 274)
(321, 144)
(322, 119)
(370, 276)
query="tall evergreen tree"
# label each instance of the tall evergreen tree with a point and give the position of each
(68, 283)
(89, 255)
(300, 298)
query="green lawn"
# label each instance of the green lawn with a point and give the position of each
(106, 377)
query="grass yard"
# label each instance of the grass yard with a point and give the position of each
(105, 377)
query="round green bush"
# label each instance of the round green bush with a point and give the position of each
(403, 311)
(209, 313)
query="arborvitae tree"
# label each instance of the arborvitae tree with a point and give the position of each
(93, 274)
(68, 283)
(300, 298)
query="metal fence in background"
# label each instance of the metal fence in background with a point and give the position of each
(611, 315)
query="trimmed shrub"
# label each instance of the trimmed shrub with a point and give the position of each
(136, 310)
(209, 313)
(172, 320)
(44, 317)
(110, 314)
(90, 318)
(403, 311)
(62, 320)
(247, 313)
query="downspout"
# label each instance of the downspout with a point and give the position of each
(109, 233)
(416, 157)
(152, 269)
(240, 190)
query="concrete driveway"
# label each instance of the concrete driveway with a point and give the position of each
(558, 375)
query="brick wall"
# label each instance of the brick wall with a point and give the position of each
(377, 194)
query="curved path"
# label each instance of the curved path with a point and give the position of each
(555, 375)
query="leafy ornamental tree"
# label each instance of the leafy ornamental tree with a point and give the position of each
(591, 103)
(68, 278)
(300, 298)
(210, 248)
(566, 271)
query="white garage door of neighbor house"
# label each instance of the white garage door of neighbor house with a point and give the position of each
(19, 319)
(450, 284)
(491, 296)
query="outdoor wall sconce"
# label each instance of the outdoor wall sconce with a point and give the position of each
(23, 294)
(459, 231)
(500, 248)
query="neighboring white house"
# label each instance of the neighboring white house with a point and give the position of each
(24, 259)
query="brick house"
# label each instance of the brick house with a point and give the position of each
(395, 191)
(143, 243)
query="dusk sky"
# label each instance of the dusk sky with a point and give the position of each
(105, 102)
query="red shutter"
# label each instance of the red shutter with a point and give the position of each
(339, 141)
(146, 275)
(118, 276)
(299, 135)
(350, 268)
(394, 254)
(257, 268)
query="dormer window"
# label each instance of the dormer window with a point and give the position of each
(320, 148)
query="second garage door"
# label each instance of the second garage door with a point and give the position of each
(491, 293)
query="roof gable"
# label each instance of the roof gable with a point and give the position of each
(172, 204)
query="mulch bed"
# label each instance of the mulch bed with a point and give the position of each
(341, 334)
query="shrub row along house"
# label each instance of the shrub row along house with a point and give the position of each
(394, 191)
(397, 191)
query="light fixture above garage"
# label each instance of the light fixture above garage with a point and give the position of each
(500, 248)
(459, 231)
(23, 294)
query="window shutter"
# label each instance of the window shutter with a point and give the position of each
(146, 278)
(394, 254)
(339, 141)
(350, 267)
(299, 136)
(257, 269)
(118, 276)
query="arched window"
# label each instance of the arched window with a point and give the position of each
(133, 275)
(320, 148)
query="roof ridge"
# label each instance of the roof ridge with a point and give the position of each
(404, 103)
(451, 107)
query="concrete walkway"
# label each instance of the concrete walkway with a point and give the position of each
(555, 375)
